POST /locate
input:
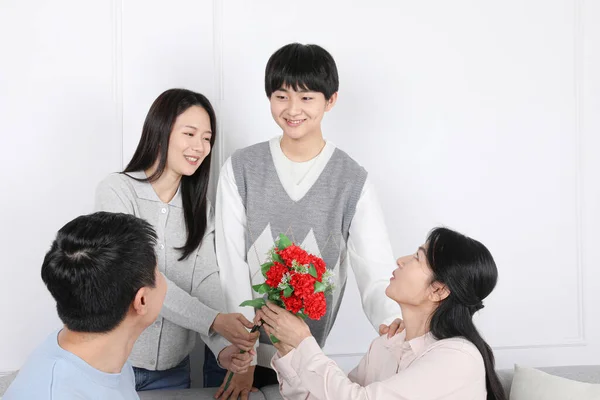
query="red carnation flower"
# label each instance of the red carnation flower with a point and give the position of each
(303, 284)
(319, 266)
(315, 306)
(293, 303)
(275, 273)
(292, 253)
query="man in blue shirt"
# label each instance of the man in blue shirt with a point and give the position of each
(101, 270)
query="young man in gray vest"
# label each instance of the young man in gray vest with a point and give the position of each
(304, 186)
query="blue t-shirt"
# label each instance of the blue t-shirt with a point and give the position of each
(52, 373)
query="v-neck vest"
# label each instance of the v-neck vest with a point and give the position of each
(326, 209)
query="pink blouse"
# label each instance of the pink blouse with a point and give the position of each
(422, 368)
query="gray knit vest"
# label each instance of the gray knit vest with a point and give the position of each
(327, 208)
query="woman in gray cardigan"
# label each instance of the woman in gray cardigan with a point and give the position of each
(165, 183)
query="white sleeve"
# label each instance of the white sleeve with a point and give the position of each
(230, 230)
(371, 258)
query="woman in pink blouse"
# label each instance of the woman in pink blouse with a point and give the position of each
(440, 354)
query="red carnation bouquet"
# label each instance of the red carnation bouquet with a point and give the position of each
(295, 280)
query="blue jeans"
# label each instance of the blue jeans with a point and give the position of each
(213, 374)
(177, 377)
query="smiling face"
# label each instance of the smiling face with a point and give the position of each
(189, 141)
(299, 113)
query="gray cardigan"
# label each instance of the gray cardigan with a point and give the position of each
(194, 296)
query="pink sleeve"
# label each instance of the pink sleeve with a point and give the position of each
(358, 374)
(290, 385)
(457, 374)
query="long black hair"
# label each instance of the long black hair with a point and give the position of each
(154, 145)
(469, 272)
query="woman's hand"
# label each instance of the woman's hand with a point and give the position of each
(285, 326)
(233, 328)
(281, 347)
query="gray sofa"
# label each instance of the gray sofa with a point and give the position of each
(586, 373)
(581, 373)
(266, 393)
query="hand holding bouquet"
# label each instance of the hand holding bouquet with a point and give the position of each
(295, 280)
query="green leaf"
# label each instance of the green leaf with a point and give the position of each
(284, 242)
(312, 271)
(274, 297)
(265, 268)
(320, 287)
(256, 303)
(262, 288)
(273, 339)
(301, 314)
(277, 258)
(288, 292)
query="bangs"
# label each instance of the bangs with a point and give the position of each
(302, 68)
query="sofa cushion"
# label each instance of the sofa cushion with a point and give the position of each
(580, 373)
(533, 384)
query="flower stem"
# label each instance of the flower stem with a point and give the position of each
(229, 373)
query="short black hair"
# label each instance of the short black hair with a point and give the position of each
(303, 67)
(95, 267)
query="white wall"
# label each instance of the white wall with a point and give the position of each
(60, 135)
(480, 116)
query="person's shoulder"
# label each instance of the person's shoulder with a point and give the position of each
(74, 379)
(251, 150)
(384, 343)
(122, 183)
(458, 342)
(459, 348)
(31, 384)
(35, 379)
(117, 180)
(70, 380)
(349, 163)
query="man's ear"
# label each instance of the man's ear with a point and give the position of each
(331, 102)
(140, 301)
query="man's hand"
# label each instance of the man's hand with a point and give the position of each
(240, 386)
(395, 327)
(233, 328)
(231, 359)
